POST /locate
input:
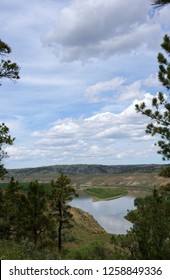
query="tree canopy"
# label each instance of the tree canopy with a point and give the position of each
(8, 69)
(61, 194)
(160, 3)
(5, 139)
(160, 111)
(149, 237)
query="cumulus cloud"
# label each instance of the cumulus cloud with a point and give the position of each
(103, 137)
(93, 103)
(99, 127)
(118, 89)
(97, 28)
(152, 81)
(93, 92)
(95, 134)
(131, 91)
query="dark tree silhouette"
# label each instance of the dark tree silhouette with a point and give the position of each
(160, 3)
(8, 69)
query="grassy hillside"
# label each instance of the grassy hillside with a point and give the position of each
(128, 176)
(86, 239)
(85, 234)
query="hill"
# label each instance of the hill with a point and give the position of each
(84, 169)
(142, 175)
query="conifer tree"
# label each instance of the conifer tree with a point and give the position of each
(9, 201)
(8, 69)
(61, 193)
(150, 234)
(160, 112)
(160, 3)
(5, 139)
(34, 220)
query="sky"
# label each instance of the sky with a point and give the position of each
(84, 64)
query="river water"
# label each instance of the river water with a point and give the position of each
(108, 213)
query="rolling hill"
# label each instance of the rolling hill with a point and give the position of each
(94, 175)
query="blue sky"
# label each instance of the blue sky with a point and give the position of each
(84, 65)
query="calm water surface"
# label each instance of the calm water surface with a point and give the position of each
(109, 214)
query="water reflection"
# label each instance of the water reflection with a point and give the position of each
(109, 214)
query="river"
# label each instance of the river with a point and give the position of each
(108, 213)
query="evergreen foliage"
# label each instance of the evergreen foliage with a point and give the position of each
(160, 3)
(9, 200)
(61, 194)
(34, 221)
(8, 69)
(149, 237)
(160, 112)
(34, 215)
(5, 139)
(165, 172)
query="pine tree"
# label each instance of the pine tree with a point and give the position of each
(9, 201)
(8, 69)
(151, 227)
(5, 139)
(33, 221)
(160, 112)
(160, 3)
(61, 193)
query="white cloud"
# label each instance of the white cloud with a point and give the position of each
(152, 81)
(93, 92)
(80, 112)
(98, 136)
(90, 133)
(131, 91)
(102, 28)
(118, 89)
(163, 16)
(104, 137)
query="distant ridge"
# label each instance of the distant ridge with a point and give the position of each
(137, 175)
(84, 169)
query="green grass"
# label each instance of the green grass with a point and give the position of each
(11, 250)
(25, 186)
(105, 193)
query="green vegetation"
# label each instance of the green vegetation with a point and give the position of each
(8, 70)
(5, 139)
(160, 112)
(36, 216)
(105, 193)
(38, 224)
(34, 221)
(61, 193)
(160, 3)
(150, 236)
(165, 172)
(25, 186)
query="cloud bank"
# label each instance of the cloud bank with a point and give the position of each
(89, 29)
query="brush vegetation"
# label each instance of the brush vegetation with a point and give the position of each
(39, 224)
